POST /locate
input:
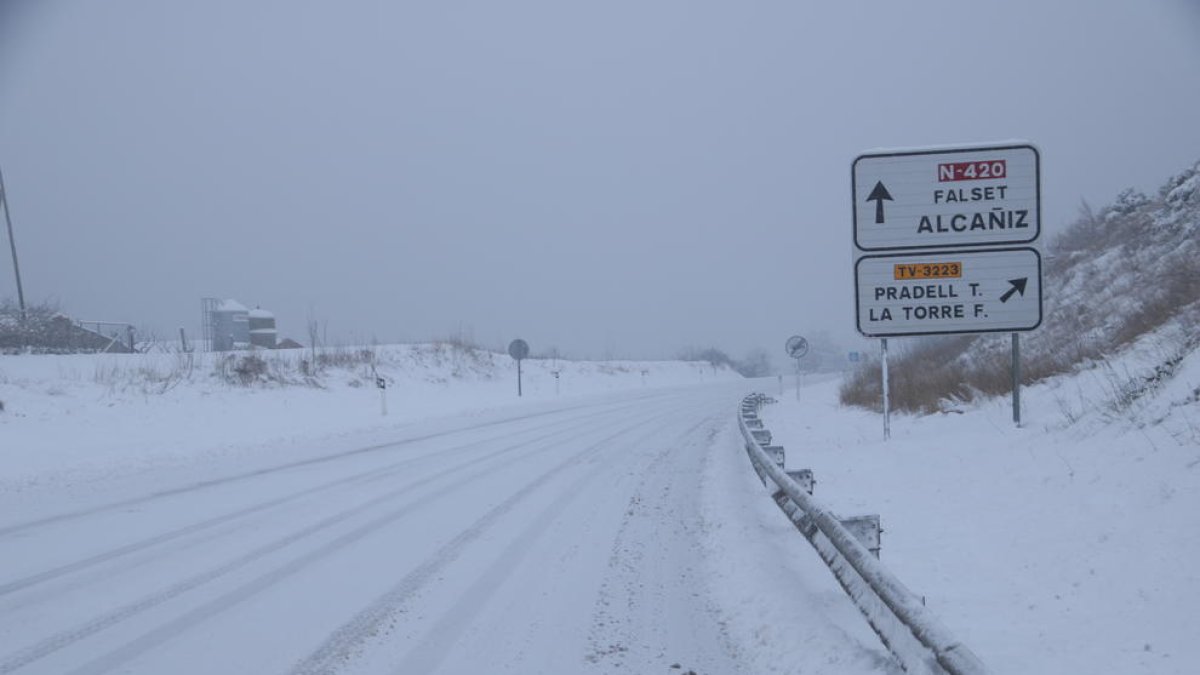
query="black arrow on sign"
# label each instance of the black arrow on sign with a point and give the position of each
(1018, 286)
(877, 195)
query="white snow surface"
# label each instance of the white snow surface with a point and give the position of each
(615, 527)
(291, 529)
(1066, 546)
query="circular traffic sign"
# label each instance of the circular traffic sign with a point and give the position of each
(796, 347)
(518, 349)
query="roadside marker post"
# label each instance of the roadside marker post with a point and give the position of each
(381, 385)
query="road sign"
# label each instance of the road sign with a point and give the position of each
(796, 347)
(939, 292)
(946, 198)
(944, 240)
(518, 349)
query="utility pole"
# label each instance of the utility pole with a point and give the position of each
(12, 243)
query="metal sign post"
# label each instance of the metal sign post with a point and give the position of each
(887, 408)
(518, 349)
(945, 243)
(1016, 378)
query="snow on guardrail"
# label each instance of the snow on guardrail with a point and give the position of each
(897, 615)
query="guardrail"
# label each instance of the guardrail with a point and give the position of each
(898, 616)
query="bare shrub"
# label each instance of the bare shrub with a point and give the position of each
(145, 377)
(249, 368)
(1176, 288)
(244, 369)
(345, 358)
(863, 387)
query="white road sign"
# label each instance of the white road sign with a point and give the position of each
(976, 291)
(946, 198)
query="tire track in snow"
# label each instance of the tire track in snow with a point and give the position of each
(429, 654)
(16, 528)
(71, 636)
(651, 602)
(366, 476)
(349, 640)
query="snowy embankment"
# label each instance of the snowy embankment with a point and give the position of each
(81, 418)
(1065, 546)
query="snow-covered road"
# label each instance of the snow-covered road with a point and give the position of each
(557, 540)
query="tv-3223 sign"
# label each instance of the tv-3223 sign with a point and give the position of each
(948, 292)
(946, 198)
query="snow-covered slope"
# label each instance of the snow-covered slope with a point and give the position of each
(1065, 546)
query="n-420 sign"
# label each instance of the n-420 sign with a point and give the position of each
(980, 170)
(958, 198)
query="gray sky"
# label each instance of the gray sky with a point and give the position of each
(621, 177)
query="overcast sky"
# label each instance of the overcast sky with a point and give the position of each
(620, 177)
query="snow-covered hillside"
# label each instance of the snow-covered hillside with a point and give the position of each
(87, 417)
(1064, 546)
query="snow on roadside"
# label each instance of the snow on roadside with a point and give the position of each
(1066, 546)
(782, 608)
(77, 419)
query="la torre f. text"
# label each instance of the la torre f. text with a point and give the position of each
(926, 312)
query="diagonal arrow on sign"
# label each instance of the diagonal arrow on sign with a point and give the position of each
(1018, 286)
(878, 195)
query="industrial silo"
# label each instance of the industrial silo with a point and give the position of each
(230, 326)
(262, 328)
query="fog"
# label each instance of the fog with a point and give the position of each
(608, 179)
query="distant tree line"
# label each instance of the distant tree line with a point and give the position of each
(755, 364)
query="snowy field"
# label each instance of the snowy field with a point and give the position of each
(1065, 546)
(83, 418)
